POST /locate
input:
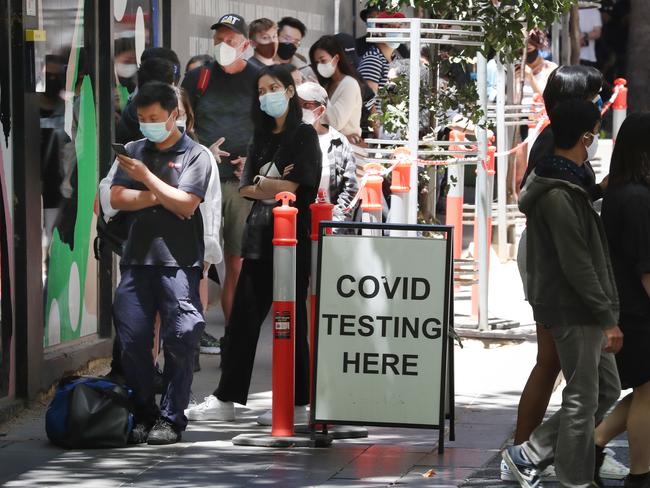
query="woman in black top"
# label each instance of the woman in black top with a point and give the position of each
(564, 83)
(284, 156)
(626, 217)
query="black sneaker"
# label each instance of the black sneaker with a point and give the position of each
(163, 433)
(209, 344)
(637, 481)
(139, 434)
(523, 470)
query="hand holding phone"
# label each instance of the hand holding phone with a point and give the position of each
(120, 149)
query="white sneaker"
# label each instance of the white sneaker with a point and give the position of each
(300, 416)
(506, 473)
(211, 409)
(612, 469)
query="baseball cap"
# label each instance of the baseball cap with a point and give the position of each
(233, 22)
(312, 92)
(391, 15)
(347, 43)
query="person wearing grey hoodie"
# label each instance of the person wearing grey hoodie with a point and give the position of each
(571, 287)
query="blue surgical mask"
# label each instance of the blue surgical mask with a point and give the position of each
(155, 131)
(274, 104)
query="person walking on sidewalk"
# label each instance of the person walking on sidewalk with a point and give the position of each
(161, 185)
(284, 156)
(626, 217)
(565, 83)
(571, 288)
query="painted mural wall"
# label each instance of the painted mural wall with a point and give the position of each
(68, 172)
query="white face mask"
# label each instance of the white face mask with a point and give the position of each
(126, 70)
(224, 54)
(308, 116)
(394, 45)
(326, 70)
(592, 148)
(181, 124)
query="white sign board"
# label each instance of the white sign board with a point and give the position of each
(382, 330)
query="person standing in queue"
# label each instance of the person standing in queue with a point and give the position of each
(221, 94)
(285, 155)
(160, 185)
(263, 34)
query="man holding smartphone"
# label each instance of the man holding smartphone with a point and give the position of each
(161, 186)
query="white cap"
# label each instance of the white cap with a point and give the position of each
(312, 92)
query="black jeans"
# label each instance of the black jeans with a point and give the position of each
(253, 300)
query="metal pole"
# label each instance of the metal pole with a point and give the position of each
(566, 40)
(555, 43)
(502, 162)
(414, 118)
(483, 201)
(337, 16)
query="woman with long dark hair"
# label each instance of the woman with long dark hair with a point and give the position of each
(284, 156)
(626, 217)
(335, 74)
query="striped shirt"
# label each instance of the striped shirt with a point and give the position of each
(374, 66)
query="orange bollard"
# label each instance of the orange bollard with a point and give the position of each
(371, 196)
(619, 107)
(284, 314)
(321, 211)
(489, 165)
(400, 188)
(456, 182)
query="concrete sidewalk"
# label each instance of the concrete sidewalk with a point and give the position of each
(491, 370)
(488, 383)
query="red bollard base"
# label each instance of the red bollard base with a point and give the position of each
(267, 440)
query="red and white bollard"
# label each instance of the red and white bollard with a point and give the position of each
(371, 197)
(321, 211)
(456, 184)
(489, 166)
(400, 188)
(619, 107)
(284, 314)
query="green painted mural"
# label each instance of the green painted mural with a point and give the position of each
(68, 266)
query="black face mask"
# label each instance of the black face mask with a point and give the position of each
(286, 50)
(532, 56)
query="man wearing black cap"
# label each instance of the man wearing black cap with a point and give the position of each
(222, 94)
(370, 12)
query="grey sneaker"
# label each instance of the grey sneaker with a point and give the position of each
(521, 468)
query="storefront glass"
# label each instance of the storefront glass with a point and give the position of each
(68, 171)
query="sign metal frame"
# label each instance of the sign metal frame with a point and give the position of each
(446, 406)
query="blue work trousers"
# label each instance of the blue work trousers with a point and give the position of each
(173, 292)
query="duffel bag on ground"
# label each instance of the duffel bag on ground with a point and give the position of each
(89, 412)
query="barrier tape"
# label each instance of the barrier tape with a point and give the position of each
(612, 99)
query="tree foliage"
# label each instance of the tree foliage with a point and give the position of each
(503, 20)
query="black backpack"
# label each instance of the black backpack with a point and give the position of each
(112, 234)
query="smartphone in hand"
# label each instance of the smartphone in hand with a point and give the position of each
(120, 149)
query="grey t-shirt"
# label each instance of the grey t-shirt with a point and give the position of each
(223, 110)
(157, 237)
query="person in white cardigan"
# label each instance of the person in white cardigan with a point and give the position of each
(337, 76)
